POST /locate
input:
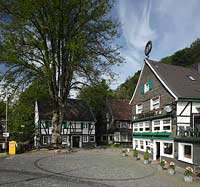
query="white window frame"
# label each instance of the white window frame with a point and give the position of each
(135, 127)
(163, 151)
(48, 140)
(139, 108)
(152, 103)
(140, 126)
(168, 124)
(85, 138)
(146, 125)
(181, 153)
(135, 142)
(146, 87)
(140, 145)
(153, 126)
(162, 125)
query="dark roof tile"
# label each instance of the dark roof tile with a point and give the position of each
(177, 79)
(76, 110)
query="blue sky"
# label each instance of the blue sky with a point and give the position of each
(170, 24)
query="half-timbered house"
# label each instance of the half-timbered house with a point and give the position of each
(166, 112)
(118, 122)
(78, 128)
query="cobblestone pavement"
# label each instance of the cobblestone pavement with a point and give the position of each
(84, 168)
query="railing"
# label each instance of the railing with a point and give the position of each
(188, 132)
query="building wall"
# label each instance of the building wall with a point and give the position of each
(84, 130)
(157, 90)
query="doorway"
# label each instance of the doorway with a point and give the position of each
(157, 150)
(75, 141)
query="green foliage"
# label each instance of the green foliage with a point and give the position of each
(63, 43)
(146, 155)
(125, 90)
(185, 57)
(116, 145)
(96, 95)
(21, 114)
(135, 153)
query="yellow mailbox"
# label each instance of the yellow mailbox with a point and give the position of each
(12, 147)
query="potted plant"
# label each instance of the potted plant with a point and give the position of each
(171, 168)
(135, 154)
(124, 152)
(162, 164)
(146, 157)
(188, 174)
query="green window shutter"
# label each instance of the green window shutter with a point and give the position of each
(150, 84)
(82, 125)
(142, 89)
(46, 124)
(65, 125)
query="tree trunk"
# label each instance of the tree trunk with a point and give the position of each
(56, 136)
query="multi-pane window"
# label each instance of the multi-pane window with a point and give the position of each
(140, 126)
(156, 125)
(148, 147)
(166, 124)
(162, 125)
(155, 103)
(136, 143)
(147, 128)
(139, 108)
(85, 138)
(141, 144)
(46, 139)
(168, 148)
(135, 127)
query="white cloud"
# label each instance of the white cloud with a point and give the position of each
(136, 31)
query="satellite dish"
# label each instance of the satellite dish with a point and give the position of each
(148, 48)
(168, 108)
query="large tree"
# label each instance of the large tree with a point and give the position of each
(63, 42)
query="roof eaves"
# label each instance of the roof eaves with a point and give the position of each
(163, 83)
(137, 85)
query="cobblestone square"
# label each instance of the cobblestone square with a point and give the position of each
(96, 167)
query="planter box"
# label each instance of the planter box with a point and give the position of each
(188, 178)
(146, 161)
(171, 171)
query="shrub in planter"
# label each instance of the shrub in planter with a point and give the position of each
(171, 168)
(146, 157)
(135, 153)
(188, 174)
(124, 152)
(162, 164)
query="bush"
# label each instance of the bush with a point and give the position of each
(135, 153)
(171, 165)
(163, 163)
(146, 155)
(188, 171)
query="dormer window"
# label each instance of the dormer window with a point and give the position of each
(191, 78)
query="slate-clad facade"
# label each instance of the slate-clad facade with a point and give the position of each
(166, 112)
(78, 128)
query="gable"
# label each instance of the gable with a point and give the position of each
(156, 89)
